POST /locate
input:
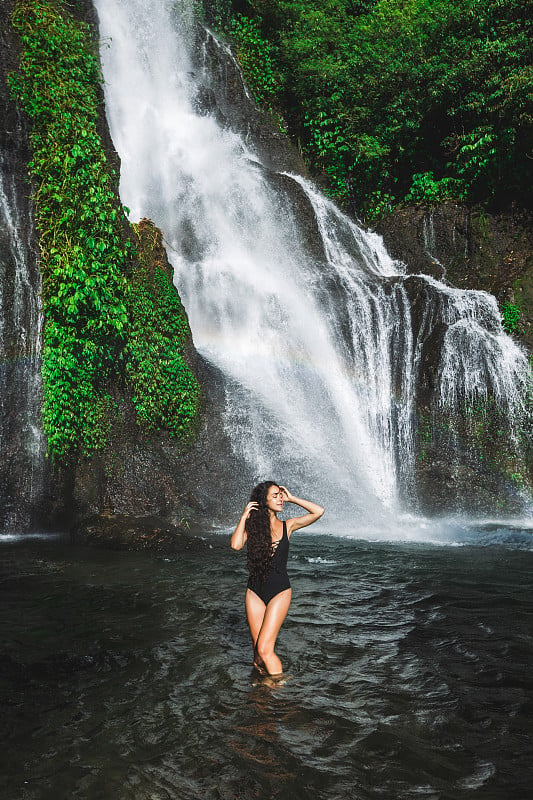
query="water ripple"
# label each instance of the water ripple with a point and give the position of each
(129, 676)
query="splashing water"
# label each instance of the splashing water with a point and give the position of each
(318, 349)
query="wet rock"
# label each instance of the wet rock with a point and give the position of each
(22, 469)
(152, 475)
(127, 532)
(225, 96)
(468, 249)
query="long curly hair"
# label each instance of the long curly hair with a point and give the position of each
(259, 542)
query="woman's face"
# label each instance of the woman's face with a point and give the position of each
(274, 499)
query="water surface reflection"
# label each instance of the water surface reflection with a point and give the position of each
(128, 675)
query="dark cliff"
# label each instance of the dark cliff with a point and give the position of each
(140, 471)
(22, 469)
(469, 249)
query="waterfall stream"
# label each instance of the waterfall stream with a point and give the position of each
(21, 439)
(317, 344)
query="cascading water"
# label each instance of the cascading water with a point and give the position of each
(21, 439)
(317, 343)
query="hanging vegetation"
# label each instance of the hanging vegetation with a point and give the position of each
(92, 310)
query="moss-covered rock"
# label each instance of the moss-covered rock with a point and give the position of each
(165, 392)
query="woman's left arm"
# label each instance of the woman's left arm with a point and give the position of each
(239, 535)
(314, 511)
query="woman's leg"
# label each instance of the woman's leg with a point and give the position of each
(255, 614)
(273, 617)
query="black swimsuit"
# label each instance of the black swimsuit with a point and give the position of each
(276, 579)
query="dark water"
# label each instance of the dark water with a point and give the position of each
(127, 675)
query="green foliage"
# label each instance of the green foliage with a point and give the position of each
(378, 205)
(165, 392)
(75, 412)
(326, 144)
(83, 256)
(511, 318)
(254, 54)
(409, 99)
(91, 320)
(425, 190)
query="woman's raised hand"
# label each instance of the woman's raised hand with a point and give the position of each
(250, 507)
(314, 511)
(287, 496)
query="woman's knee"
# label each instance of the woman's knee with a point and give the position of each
(264, 648)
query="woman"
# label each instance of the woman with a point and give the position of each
(268, 595)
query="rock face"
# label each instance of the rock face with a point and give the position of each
(233, 106)
(23, 466)
(468, 455)
(469, 249)
(142, 474)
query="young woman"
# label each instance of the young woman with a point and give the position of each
(268, 595)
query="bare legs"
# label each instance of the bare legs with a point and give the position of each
(265, 622)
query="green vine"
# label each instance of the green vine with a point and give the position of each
(426, 190)
(255, 57)
(91, 330)
(165, 392)
(83, 256)
(327, 145)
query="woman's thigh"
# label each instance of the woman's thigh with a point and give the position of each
(255, 613)
(275, 613)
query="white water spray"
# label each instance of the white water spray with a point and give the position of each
(318, 353)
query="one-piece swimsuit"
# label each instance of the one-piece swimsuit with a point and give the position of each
(276, 579)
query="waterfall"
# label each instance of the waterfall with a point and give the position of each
(314, 332)
(21, 439)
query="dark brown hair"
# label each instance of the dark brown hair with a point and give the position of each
(259, 542)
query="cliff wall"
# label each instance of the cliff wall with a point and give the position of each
(23, 473)
(469, 249)
(142, 469)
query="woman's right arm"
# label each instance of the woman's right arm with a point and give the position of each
(239, 536)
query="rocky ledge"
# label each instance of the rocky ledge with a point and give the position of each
(125, 532)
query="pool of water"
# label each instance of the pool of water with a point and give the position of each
(128, 675)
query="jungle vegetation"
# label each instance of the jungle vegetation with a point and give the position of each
(112, 318)
(394, 101)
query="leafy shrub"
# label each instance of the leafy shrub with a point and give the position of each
(255, 57)
(92, 315)
(511, 318)
(326, 144)
(425, 190)
(83, 255)
(165, 392)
